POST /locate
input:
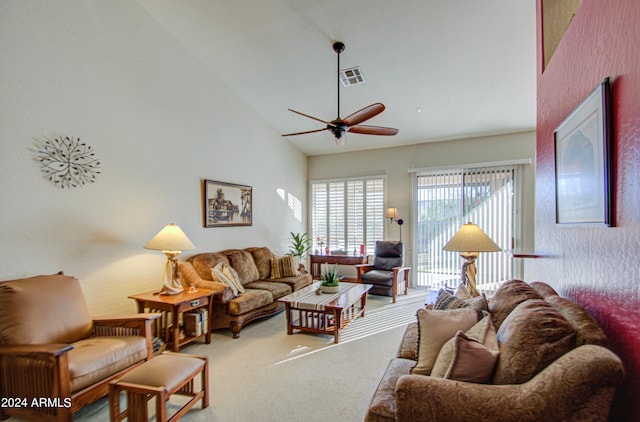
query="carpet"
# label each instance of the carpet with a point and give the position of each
(267, 375)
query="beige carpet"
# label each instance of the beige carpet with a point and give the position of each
(267, 375)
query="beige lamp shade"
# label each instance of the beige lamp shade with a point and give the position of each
(391, 213)
(171, 238)
(471, 238)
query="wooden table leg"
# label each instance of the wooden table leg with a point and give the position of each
(287, 309)
(363, 303)
(337, 320)
(176, 330)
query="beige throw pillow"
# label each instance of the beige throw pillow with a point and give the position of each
(435, 328)
(228, 276)
(469, 356)
(284, 266)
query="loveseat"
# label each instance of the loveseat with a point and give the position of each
(531, 355)
(246, 283)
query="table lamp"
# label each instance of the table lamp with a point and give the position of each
(469, 241)
(172, 241)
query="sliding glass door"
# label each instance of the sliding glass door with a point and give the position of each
(444, 201)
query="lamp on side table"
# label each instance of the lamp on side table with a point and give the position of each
(172, 241)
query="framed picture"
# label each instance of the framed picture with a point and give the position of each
(227, 204)
(583, 163)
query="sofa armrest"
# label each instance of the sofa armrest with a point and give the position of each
(126, 325)
(579, 385)
(188, 274)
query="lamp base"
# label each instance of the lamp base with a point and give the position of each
(468, 273)
(171, 284)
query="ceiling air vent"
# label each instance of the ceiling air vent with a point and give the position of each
(351, 76)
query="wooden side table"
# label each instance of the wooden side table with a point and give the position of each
(177, 305)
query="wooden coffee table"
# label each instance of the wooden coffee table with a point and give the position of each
(325, 313)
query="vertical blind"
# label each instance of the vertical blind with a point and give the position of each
(346, 214)
(444, 201)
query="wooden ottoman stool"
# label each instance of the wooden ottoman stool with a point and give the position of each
(160, 377)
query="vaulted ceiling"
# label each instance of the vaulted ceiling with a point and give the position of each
(445, 69)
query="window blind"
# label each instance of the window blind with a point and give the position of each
(347, 213)
(444, 201)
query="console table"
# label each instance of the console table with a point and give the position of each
(316, 262)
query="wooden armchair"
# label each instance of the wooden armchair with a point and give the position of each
(387, 273)
(54, 357)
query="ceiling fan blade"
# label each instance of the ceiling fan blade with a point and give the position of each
(373, 130)
(303, 133)
(311, 117)
(364, 114)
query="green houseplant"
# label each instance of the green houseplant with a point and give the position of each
(300, 244)
(330, 279)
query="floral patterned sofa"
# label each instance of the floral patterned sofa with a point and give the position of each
(534, 356)
(247, 283)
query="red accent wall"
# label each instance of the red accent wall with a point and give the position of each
(597, 267)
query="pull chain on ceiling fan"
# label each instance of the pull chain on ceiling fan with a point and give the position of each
(351, 123)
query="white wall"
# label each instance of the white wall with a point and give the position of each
(160, 122)
(395, 162)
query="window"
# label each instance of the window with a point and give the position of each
(347, 213)
(445, 200)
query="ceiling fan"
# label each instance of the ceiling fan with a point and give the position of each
(351, 123)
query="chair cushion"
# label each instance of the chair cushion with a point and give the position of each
(43, 310)
(388, 254)
(378, 277)
(94, 359)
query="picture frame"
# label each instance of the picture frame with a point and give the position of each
(227, 204)
(583, 162)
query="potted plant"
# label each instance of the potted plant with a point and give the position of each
(330, 280)
(299, 245)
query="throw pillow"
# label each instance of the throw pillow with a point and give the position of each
(283, 266)
(472, 361)
(530, 338)
(435, 328)
(446, 300)
(469, 356)
(463, 293)
(242, 262)
(228, 276)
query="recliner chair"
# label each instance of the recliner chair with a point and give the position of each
(387, 273)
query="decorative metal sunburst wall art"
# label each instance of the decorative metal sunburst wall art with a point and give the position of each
(66, 161)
